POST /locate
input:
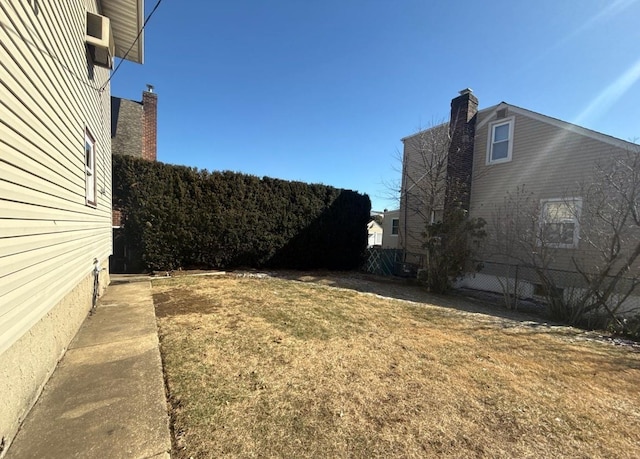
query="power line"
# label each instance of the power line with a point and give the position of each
(42, 49)
(102, 88)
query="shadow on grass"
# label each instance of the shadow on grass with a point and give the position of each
(409, 290)
(531, 316)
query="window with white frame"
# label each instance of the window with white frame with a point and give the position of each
(90, 168)
(437, 216)
(500, 143)
(559, 222)
(395, 226)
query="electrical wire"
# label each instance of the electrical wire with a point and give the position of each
(102, 88)
(42, 49)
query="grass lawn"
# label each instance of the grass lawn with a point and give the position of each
(281, 368)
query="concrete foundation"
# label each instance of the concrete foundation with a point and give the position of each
(30, 361)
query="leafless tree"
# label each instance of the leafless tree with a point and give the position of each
(441, 239)
(424, 181)
(513, 240)
(610, 234)
(605, 213)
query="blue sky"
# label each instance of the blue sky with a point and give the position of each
(322, 91)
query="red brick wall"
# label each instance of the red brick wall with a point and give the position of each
(149, 125)
(116, 217)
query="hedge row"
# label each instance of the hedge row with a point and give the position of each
(177, 216)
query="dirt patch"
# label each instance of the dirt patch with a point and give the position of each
(181, 301)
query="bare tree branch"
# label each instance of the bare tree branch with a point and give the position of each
(608, 259)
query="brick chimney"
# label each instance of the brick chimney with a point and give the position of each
(149, 124)
(462, 128)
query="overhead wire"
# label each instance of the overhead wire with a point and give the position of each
(42, 49)
(102, 88)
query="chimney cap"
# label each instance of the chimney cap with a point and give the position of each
(149, 87)
(465, 91)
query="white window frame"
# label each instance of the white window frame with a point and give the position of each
(490, 136)
(397, 226)
(576, 212)
(91, 190)
(437, 215)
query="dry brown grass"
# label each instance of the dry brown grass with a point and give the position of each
(279, 368)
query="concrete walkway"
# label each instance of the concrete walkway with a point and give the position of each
(106, 399)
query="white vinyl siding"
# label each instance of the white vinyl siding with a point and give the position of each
(374, 233)
(49, 96)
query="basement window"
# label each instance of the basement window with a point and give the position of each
(540, 290)
(90, 168)
(500, 142)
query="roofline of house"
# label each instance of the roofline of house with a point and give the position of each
(615, 141)
(127, 20)
(446, 123)
(139, 102)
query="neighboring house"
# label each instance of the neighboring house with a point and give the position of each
(134, 126)
(374, 233)
(391, 229)
(55, 180)
(494, 151)
(134, 132)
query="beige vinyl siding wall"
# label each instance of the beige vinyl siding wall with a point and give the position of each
(48, 95)
(412, 225)
(389, 240)
(414, 212)
(549, 161)
(412, 221)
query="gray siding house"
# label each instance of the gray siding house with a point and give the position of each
(495, 151)
(55, 180)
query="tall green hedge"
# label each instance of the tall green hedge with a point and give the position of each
(177, 216)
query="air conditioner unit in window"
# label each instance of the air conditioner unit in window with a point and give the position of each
(100, 40)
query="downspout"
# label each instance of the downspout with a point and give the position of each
(403, 199)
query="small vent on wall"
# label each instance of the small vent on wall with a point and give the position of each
(502, 113)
